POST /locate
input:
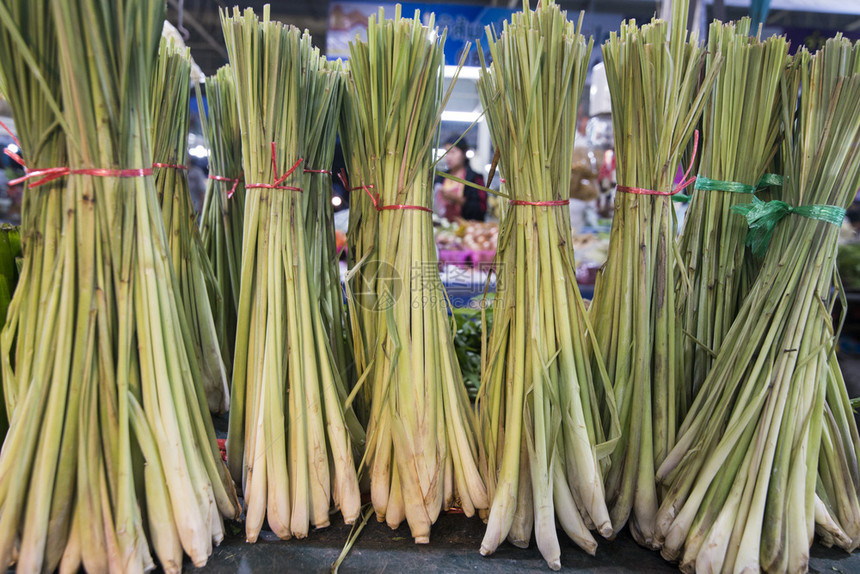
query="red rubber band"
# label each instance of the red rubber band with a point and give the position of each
(235, 181)
(170, 165)
(318, 171)
(680, 187)
(375, 198)
(541, 203)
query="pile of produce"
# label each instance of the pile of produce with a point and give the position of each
(291, 440)
(740, 135)
(768, 452)
(469, 235)
(110, 454)
(658, 94)
(423, 452)
(543, 428)
(170, 92)
(224, 204)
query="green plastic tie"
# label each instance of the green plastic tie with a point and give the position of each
(708, 184)
(762, 217)
(768, 180)
(681, 198)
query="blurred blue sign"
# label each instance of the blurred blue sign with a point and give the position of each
(465, 24)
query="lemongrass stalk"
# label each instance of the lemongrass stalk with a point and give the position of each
(28, 41)
(224, 204)
(837, 508)
(658, 94)
(291, 436)
(10, 249)
(325, 89)
(361, 243)
(171, 86)
(419, 410)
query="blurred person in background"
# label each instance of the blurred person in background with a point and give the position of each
(454, 200)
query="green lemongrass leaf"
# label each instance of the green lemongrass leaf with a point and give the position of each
(354, 533)
(462, 135)
(460, 180)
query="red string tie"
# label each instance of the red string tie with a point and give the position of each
(278, 179)
(685, 182)
(52, 173)
(43, 176)
(375, 197)
(170, 165)
(541, 203)
(235, 181)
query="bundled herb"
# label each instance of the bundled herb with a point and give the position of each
(541, 421)
(740, 132)
(171, 85)
(111, 450)
(771, 420)
(361, 238)
(423, 449)
(224, 204)
(654, 75)
(325, 89)
(291, 439)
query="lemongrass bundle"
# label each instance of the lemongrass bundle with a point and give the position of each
(171, 87)
(654, 75)
(423, 449)
(290, 439)
(325, 89)
(111, 450)
(224, 204)
(541, 421)
(740, 136)
(361, 239)
(760, 435)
